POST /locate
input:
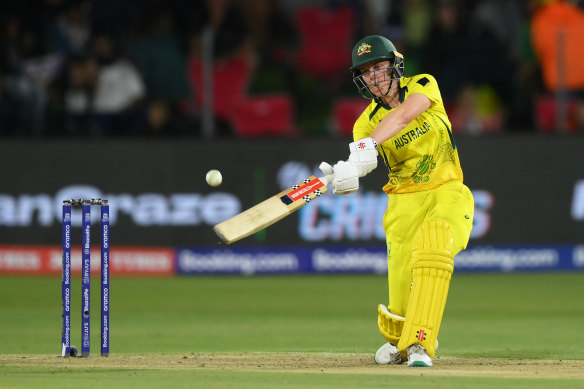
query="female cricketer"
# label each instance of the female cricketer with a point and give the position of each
(430, 211)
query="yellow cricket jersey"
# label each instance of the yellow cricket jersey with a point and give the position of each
(423, 155)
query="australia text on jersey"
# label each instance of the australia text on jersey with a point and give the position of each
(411, 135)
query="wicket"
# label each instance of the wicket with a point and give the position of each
(85, 276)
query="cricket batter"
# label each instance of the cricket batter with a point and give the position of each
(430, 211)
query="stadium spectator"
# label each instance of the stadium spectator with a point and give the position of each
(476, 110)
(79, 86)
(160, 120)
(495, 61)
(418, 21)
(26, 69)
(119, 90)
(234, 57)
(557, 31)
(71, 31)
(446, 50)
(160, 60)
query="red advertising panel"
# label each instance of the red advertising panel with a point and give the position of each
(130, 261)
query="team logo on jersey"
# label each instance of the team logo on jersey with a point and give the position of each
(424, 167)
(363, 48)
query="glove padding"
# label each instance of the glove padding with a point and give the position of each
(364, 155)
(345, 176)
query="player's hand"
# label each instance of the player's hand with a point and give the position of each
(345, 178)
(328, 172)
(364, 155)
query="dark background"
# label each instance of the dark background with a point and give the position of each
(531, 181)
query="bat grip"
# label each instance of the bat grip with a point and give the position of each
(326, 180)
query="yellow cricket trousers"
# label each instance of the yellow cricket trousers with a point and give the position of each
(451, 202)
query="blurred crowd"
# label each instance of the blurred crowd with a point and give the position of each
(279, 67)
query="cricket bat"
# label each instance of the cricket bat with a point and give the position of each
(271, 210)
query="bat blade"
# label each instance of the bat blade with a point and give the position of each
(271, 210)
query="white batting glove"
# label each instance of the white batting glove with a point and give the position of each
(346, 178)
(328, 172)
(364, 155)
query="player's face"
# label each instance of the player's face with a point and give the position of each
(378, 77)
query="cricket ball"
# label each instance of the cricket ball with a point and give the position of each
(214, 177)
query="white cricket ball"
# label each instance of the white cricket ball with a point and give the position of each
(214, 177)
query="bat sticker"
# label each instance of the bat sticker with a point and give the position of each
(302, 191)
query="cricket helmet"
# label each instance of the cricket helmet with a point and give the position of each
(374, 48)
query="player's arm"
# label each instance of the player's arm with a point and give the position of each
(363, 152)
(396, 120)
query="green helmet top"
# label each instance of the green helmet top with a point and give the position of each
(373, 48)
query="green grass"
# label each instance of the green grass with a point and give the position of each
(112, 378)
(518, 316)
(532, 316)
(202, 314)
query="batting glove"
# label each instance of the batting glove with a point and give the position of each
(328, 172)
(345, 178)
(364, 155)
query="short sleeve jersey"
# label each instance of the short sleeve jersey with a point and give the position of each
(422, 155)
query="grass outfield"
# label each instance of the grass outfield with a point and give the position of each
(292, 331)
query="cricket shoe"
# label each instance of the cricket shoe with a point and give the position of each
(418, 356)
(388, 355)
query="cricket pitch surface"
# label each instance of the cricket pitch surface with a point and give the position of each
(311, 363)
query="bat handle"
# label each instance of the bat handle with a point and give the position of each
(326, 180)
